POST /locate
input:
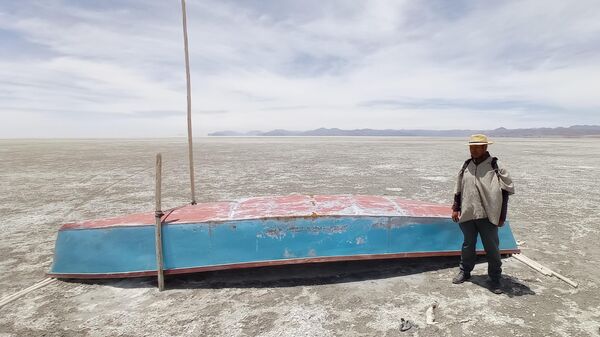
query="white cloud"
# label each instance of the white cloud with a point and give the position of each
(266, 65)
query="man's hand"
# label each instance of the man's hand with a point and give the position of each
(501, 223)
(455, 216)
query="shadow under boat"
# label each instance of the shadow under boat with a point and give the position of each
(283, 276)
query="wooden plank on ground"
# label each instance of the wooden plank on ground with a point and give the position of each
(544, 270)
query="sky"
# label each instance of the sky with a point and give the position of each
(115, 68)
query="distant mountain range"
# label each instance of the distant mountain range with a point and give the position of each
(572, 131)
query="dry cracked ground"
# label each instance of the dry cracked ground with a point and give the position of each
(554, 216)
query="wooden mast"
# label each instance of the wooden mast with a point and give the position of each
(189, 102)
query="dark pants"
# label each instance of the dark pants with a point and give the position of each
(489, 237)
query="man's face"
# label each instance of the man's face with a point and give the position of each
(477, 151)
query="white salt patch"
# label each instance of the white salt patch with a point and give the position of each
(393, 189)
(440, 179)
(385, 166)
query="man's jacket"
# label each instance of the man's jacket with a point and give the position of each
(479, 192)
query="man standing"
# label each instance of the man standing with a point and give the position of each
(480, 205)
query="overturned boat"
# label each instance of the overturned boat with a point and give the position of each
(261, 231)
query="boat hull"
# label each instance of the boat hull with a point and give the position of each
(129, 251)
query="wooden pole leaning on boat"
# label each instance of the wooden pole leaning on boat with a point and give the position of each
(189, 102)
(158, 228)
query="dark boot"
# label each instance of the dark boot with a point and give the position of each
(496, 286)
(461, 277)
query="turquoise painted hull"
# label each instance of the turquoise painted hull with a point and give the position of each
(129, 251)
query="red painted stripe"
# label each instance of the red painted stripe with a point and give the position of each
(278, 207)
